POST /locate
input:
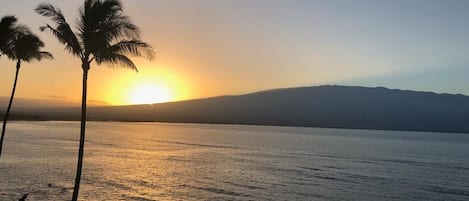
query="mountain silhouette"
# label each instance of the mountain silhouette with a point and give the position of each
(321, 106)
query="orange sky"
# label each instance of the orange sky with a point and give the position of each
(210, 48)
(192, 60)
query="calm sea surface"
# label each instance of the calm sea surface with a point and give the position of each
(153, 161)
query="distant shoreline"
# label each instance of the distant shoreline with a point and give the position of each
(237, 124)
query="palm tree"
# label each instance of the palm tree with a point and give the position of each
(8, 26)
(104, 35)
(23, 46)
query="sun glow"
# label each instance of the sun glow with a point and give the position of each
(152, 84)
(149, 94)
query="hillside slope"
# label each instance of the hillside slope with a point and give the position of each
(322, 106)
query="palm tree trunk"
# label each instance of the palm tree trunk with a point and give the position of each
(76, 187)
(7, 113)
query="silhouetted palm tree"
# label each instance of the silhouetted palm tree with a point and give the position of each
(8, 26)
(23, 46)
(104, 35)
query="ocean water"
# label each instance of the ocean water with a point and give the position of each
(155, 161)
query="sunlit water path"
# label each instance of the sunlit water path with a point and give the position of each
(153, 161)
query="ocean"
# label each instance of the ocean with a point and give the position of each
(163, 161)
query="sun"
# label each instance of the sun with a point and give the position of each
(149, 94)
(153, 84)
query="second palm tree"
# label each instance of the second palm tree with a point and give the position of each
(22, 45)
(104, 35)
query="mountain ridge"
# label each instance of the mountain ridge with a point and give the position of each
(328, 106)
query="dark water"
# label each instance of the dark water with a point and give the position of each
(151, 161)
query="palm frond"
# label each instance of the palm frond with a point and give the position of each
(121, 25)
(26, 47)
(62, 31)
(104, 33)
(38, 56)
(117, 60)
(133, 47)
(48, 10)
(102, 22)
(8, 26)
(8, 21)
(71, 45)
(44, 55)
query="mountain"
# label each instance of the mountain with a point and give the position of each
(58, 102)
(28, 102)
(321, 106)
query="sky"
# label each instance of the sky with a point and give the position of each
(208, 48)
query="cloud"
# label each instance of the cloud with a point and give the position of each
(57, 97)
(99, 102)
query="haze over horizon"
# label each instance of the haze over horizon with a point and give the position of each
(61, 102)
(211, 48)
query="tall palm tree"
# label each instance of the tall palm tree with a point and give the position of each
(8, 26)
(104, 35)
(23, 46)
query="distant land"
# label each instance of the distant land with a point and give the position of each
(61, 102)
(320, 106)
